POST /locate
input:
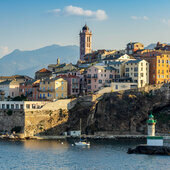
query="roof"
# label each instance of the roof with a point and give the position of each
(133, 61)
(116, 62)
(43, 70)
(85, 28)
(67, 76)
(105, 67)
(7, 82)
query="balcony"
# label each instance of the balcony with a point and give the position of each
(46, 91)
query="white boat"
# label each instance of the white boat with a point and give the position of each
(82, 143)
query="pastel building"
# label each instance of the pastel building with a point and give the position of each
(51, 89)
(10, 88)
(99, 76)
(73, 87)
(30, 89)
(132, 47)
(138, 71)
(159, 62)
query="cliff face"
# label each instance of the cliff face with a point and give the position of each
(124, 112)
(116, 113)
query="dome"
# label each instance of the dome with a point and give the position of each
(85, 28)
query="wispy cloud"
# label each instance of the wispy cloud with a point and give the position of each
(166, 21)
(78, 11)
(4, 50)
(145, 18)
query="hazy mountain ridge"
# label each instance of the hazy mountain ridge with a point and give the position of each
(27, 62)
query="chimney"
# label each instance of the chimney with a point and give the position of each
(58, 61)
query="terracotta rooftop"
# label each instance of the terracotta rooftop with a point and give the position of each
(44, 70)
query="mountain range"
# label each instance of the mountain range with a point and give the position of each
(28, 62)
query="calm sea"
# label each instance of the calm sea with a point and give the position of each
(51, 154)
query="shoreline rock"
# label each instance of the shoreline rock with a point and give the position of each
(150, 150)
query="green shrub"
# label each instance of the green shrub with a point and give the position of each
(9, 112)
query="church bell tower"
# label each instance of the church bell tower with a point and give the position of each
(85, 41)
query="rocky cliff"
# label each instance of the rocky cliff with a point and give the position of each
(122, 112)
(115, 113)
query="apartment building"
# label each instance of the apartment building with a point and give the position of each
(138, 71)
(51, 89)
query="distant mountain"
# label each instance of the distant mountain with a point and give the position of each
(151, 46)
(27, 62)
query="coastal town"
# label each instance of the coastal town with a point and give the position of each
(96, 72)
(84, 85)
(48, 103)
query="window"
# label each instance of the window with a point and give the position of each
(127, 69)
(127, 74)
(56, 95)
(141, 74)
(21, 106)
(135, 74)
(62, 88)
(89, 87)
(62, 95)
(116, 86)
(28, 106)
(48, 95)
(135, 69)
(12, 106)
(43, 96)
(100, 81)
(40, 96)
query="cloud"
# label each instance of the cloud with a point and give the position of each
(4, 50)
(166, 21)
(78, 11)
(145, 18)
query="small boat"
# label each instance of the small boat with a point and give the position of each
(82, 143)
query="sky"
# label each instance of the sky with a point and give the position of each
(32, 24)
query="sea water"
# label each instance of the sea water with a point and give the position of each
(63, 155)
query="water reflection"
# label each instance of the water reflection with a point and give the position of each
(46, 144)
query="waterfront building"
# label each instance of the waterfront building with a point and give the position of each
(30, 89)
(138, 71)
(54, 88)
(85, 41)
(19, 78)
(132, 47)
(43, 74)
(73, 87)
(159, 62)
(99, 76)
(10, 88)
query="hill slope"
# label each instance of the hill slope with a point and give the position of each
(27, 62)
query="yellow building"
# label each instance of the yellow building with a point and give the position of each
(51, 89)
(159, 63)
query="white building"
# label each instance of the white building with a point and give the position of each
(138, 70)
